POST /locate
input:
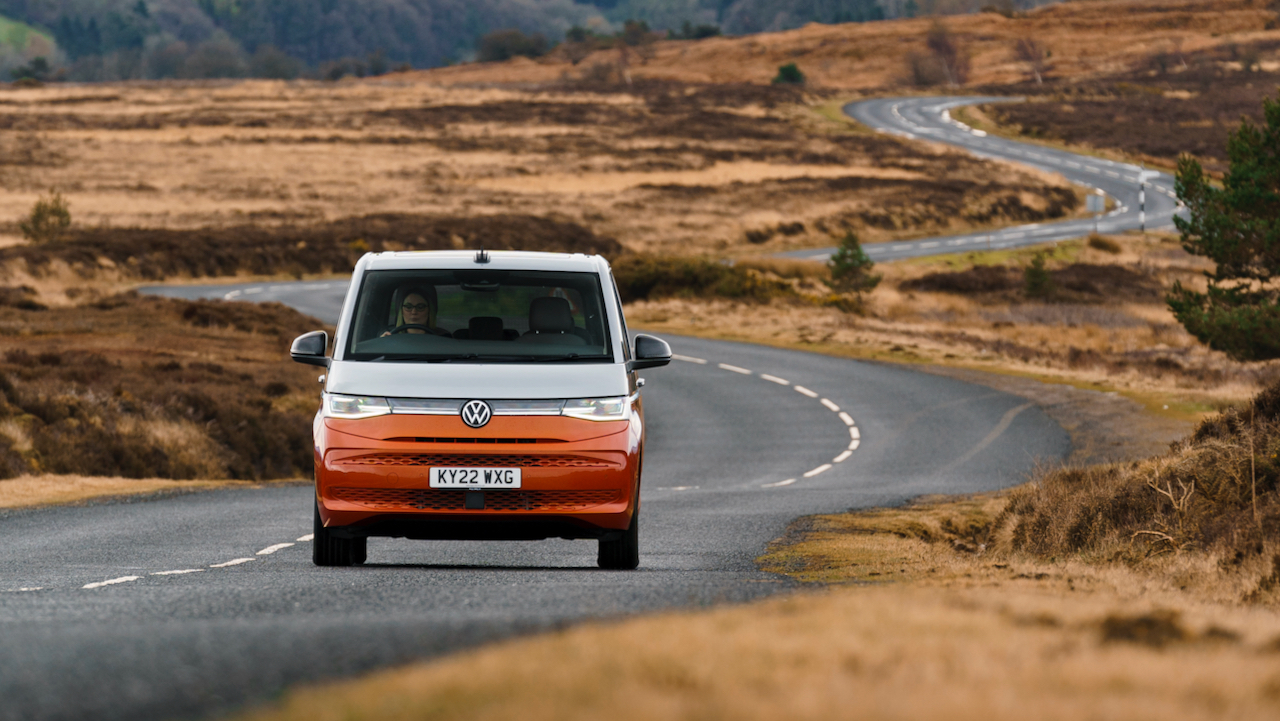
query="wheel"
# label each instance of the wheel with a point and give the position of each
(622, 554)
(329, 550)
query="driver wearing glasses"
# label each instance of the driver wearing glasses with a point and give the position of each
(416, 314)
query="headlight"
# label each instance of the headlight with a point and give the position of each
(617, 408)
(338, 406)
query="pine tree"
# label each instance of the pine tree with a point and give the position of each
(851, 273)
(1238, 228)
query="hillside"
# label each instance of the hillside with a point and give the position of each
(128, 39)
(124, 39)
(875, 56)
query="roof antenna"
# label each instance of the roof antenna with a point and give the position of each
(481, 256)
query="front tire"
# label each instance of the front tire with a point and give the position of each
(329, 550)
(622, 554)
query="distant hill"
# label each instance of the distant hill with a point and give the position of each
(111, 39)
(124, 39)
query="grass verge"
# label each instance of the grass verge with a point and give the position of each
(1038, 602)
(49, 489)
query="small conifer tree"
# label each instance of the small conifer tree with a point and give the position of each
(49, 218)
(851, 273)
(1038, 282)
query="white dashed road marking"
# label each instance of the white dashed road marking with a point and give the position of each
(233, 562)
(826, 402)
(111, 582)
(178, 573)
(272, 549)
(308, 537)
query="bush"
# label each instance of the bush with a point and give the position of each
(506, 44)
(924, 70)
(648, 277)
(269, 62)
(217, 57)
(689, 31)
(789, 74)
(49, 218)
(1104, 244)
(1218, 490)
(38, 70)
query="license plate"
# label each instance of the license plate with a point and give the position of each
(475, 478)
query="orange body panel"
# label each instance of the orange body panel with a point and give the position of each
(581, 473)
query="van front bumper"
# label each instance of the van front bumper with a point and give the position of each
(579, 479)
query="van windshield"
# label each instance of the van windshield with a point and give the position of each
(479, 316)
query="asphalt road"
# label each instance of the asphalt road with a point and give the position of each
(195, 605)
(929, 119)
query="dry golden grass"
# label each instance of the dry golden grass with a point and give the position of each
(49, 489)
(872, 56)
(1127, 342)
(660, 166)
(922, 631)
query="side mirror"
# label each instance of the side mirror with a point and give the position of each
(309, 348)
(650, 352)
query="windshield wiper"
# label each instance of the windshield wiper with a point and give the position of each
(571, 358)
(418, 358)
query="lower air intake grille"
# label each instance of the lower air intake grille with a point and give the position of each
(473, 461)
(451, 500)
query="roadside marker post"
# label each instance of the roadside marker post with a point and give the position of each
(1143, 177)
(1095, 203)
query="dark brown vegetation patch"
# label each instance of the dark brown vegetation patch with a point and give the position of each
(1157, 629)
(1176, 111)
(513, 112)
(148, 387)
(155, 254)
(20, 297)
(1076, 282)
(649, 277)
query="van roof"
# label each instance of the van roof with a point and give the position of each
(498, 260)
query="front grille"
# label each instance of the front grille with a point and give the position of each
(451, 500)
(474, 461)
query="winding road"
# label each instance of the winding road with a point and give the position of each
(188, 606)
(930, 119)
(196, 605)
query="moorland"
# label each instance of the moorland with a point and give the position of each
(1143, 587)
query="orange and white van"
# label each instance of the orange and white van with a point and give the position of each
(475, 395)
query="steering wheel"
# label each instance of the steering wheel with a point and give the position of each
(418, 326)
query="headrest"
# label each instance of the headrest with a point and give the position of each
(550, 314)
(485, 327)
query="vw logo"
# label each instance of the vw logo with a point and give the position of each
(476, 413)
